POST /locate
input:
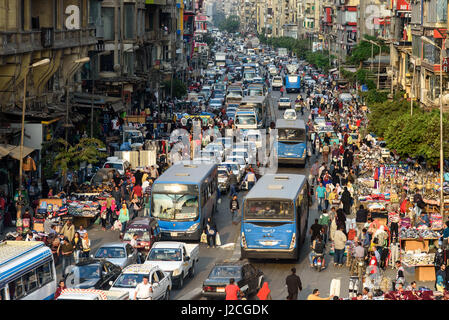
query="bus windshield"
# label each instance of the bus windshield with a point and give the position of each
(177, 207)
(268, 209)
(291, 134)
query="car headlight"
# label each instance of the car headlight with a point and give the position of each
(193, 227)
(176, 272)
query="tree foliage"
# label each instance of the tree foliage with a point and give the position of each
(179, 88)
(60, 155)
(230, 24)
(362, 51)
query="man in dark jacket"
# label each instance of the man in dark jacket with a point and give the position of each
(293, 285)
(232, 183)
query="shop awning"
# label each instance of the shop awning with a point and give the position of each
(118, 106)
(14, 151)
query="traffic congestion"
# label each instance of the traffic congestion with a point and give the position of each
(253, 195)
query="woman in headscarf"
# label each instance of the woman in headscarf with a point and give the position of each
(341, 219)
(86, 245)
(264, 292)
(346, 199)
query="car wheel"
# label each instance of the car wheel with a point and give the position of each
(167, 294)
(181, 281)
(192, 271)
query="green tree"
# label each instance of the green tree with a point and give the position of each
(230, 24)
(60, 155)
(179, 88)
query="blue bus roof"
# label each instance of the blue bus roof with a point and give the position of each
(290, 124)
(277, 186)
(186, 173)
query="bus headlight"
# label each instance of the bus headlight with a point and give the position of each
(244, 245)
(193, 227)
(293, 242)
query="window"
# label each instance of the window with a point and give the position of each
(44, 274)
(154, 278)
(30, 281)
(129, 21)
(108, 19)
(16, 289)
(2, 294)
(160, 275)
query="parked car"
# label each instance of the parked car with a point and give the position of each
(118, 253)
(132, 275)
(176, 258)
(247, 277)
(91, 273)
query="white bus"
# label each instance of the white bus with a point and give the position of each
(27, 271)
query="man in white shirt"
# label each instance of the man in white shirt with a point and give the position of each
(143, 290)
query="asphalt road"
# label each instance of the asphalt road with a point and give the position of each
(275, 270)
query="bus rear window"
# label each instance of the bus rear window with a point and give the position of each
(268, 209)
(292, 134)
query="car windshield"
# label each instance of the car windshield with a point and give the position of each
(165, 254)
(225, 272)
(142, 235)
(117, 166)
(222, 174)
(89, 271)
(246, 119)
(129, 280)
(215, 101)
(268, 209)
(284, 100)
(110, 252)
(175, 206)
(292, 134)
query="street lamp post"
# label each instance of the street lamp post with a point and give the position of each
(34, 65)
(425, 39)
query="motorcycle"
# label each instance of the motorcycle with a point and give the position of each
(319, 262)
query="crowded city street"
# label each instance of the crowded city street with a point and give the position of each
(252, 174)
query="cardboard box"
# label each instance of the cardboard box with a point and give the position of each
(415, 245)
(425, 273)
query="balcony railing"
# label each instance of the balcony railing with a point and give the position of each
(17, 42)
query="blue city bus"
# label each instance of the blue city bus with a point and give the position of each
(291, 141)
(292, 83)
(182, 198)
(275, 217)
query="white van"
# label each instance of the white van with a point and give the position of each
(120, 165)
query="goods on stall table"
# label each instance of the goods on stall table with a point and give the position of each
(417, 258)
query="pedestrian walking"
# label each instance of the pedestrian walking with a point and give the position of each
(320, 196)
(86, 245)
(234, 207)
(294, 285)
(346, 199)
(77, 246)
(67, 254)
(143, 290)
(61, 286)
(211, 231)
(232, 183)
(123, 218)
(68, 230)
(339, 243)
(232, 290)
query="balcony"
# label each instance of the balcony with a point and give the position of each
(28, 41)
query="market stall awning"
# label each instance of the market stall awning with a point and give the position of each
(14, 151)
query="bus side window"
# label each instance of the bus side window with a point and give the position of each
(16, 289)
(30, 281)
(44, 274)
(2, 294)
